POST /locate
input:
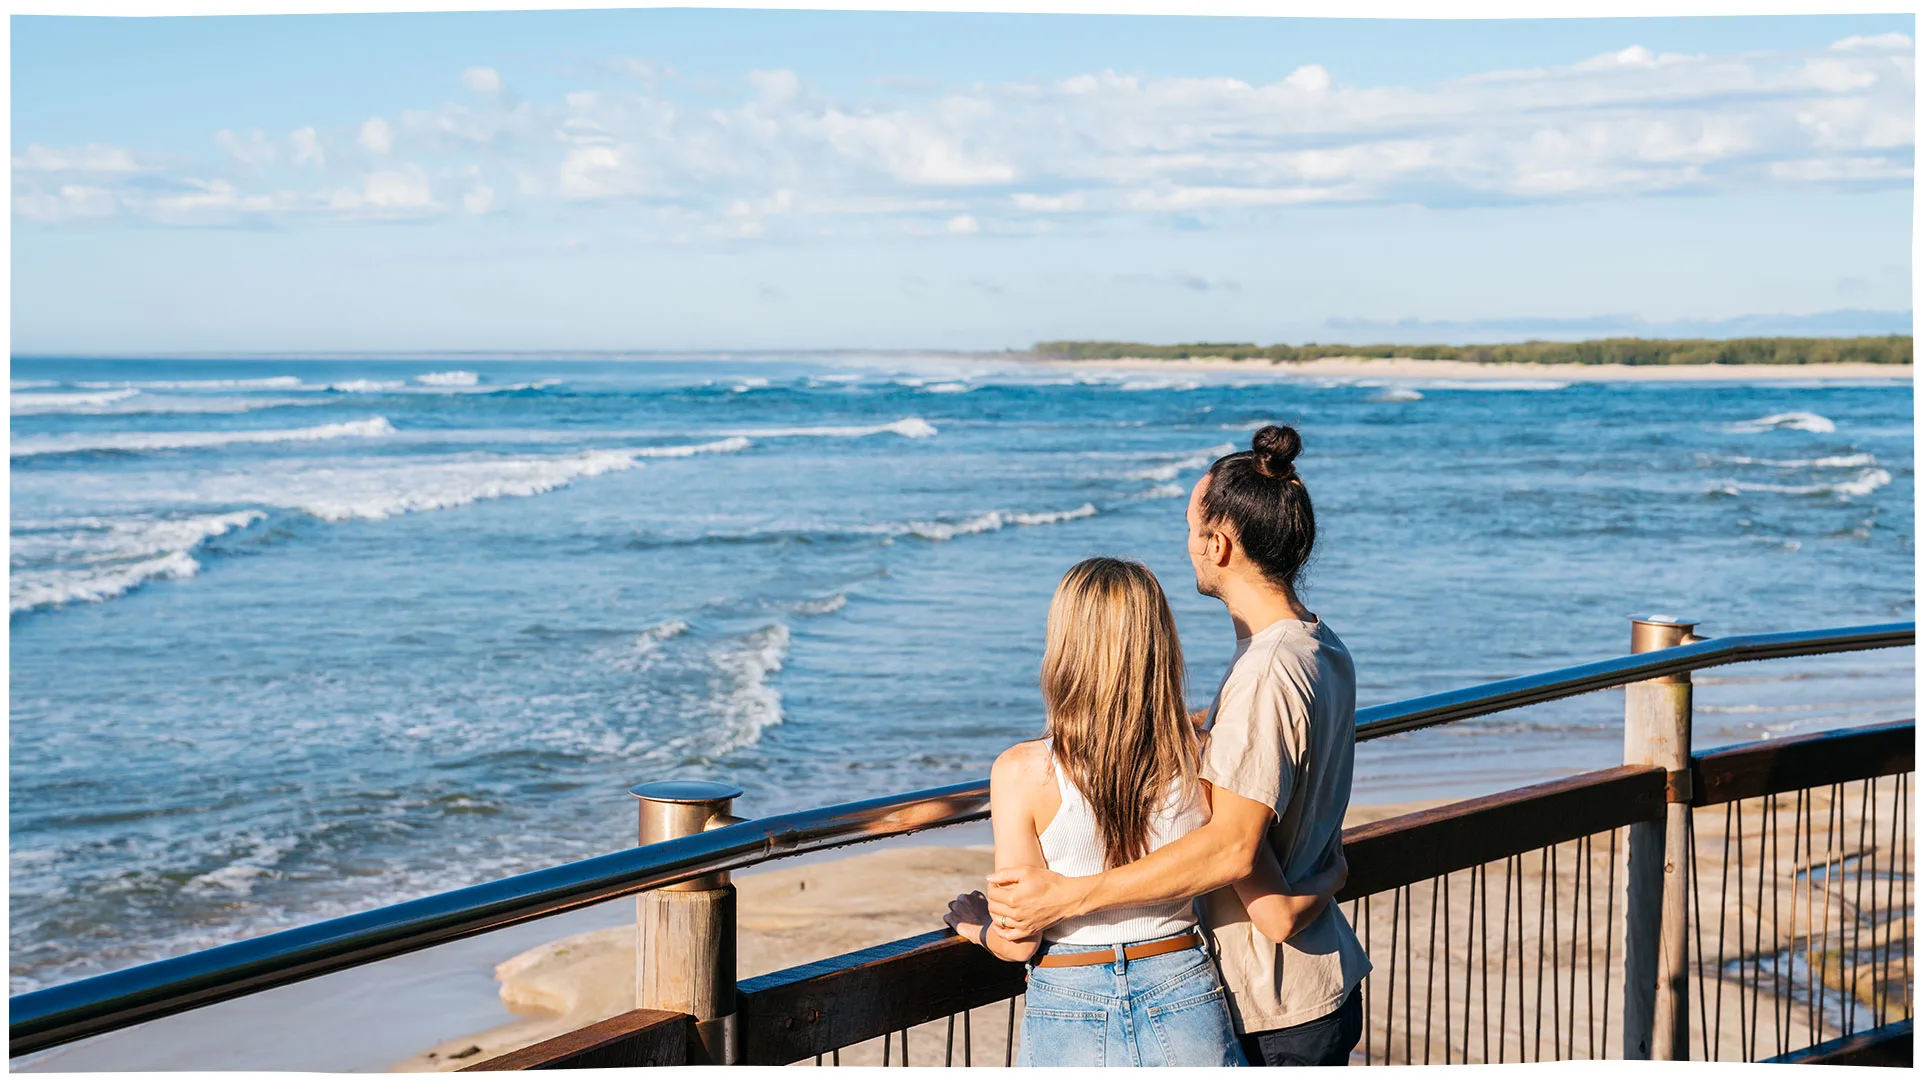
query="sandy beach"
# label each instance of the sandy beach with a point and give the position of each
(1364, 368)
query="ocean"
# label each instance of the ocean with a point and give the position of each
(298, 637)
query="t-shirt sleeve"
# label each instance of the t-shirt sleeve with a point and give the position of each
(1245, 747)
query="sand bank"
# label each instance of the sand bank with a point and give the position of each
(1361, 367)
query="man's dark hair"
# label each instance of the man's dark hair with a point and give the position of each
(1258, 493)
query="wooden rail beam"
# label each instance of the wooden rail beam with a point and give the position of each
(1396, 851)
(636, 1038)
(1816, 759)
(816, 1008)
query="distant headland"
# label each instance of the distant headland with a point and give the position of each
(1737, 359)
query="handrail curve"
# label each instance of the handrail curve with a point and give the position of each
(42, 1019)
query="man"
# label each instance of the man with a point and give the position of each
(1279, 757)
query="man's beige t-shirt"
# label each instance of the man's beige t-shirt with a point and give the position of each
(1281, 732)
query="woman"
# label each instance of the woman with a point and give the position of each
(1114, 778)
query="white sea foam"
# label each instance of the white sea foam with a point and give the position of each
(36, 404)
(1864, 483)
(993, 521)
(448, 378)
(366, 386)
(825, 605)
(947, 388)
(377, 488)
(1842, 461)
(1164, 491)
(66, 560)
(1147, 385)
(723, 446)
(1172, 469)
(912, 427)
(257, 860)
(137, 441)
(747, 703)
(33, 384)
(1792, 421)
(276, 382)
(1395, 394)
(753, 383)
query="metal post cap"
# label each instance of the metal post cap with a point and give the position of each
(684, 791)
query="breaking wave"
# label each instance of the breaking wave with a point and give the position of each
(912, 427)
(723, 446)
(993, 521)
(1842, 461)
(69, 560)
(1865, 483)
(448, 378)
(1791, 421)
(37, 404)
(139, 441)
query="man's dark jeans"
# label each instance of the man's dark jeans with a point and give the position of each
(1326, 1041)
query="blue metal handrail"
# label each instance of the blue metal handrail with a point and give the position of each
(45, 1018)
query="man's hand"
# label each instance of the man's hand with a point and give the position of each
(1025, 900)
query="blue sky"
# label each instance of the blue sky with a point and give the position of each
(687, 179)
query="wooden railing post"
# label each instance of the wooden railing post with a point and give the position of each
(1659, 731)
(685, 946)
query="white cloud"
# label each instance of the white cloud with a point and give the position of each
(67, 203)
(255, 150)
(306, 147)
(1048, 204)
(1312, 78)
(398, 189)
(92, 158)
(376, 135)
(1898, 42)
(482, 80)
(479, 200)
(990, 157)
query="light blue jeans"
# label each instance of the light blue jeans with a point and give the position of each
(1163, 1010)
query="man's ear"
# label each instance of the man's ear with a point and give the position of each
(1219, 548)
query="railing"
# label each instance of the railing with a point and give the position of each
(820, 1009)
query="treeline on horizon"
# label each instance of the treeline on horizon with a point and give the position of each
(1891, 349)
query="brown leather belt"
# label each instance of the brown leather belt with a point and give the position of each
(1187, 940)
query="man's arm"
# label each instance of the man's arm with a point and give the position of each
(1278, 908)
(1027, 899)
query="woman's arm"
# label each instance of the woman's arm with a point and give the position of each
(1019, 775)
(1278, 908)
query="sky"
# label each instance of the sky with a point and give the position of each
(725, 179)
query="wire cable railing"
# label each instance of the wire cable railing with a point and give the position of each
(49, 1017)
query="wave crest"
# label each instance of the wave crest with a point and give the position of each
(138, 441)
(1790, 421)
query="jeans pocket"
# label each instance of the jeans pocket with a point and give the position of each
(1063, 1036)
(1196, 1029)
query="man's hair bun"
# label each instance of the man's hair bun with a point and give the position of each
(1274, 448)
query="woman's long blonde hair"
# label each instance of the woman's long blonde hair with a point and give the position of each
(1114, 684)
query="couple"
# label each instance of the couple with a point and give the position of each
(1108, 828)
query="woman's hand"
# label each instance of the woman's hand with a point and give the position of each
(968, 916)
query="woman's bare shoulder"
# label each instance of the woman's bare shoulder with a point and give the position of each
(1024, 764)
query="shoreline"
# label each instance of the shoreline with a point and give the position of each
(1401, 368)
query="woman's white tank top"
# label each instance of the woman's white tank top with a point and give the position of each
(1072, 846)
